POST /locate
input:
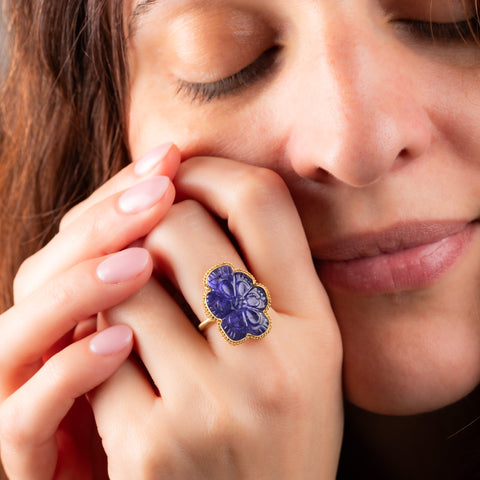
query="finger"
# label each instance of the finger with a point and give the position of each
(30, 418)
(264, 221)
(163, 160)
(107, 227)
(185, 245)
(122, 403)
(165, 340)
(32, 327)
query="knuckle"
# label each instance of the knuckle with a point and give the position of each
(218, 421)
(94, 229)
(189, 211)
(153, 459)
(14, 432)
(55, 376)
(152, 463)
(146, 453)
(61, 294)
(67, 219)
(8, 358)
(259, 184)
(281, 391)
(21, 281)
(217, 427)
(186, 215)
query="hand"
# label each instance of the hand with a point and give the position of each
(196, 406)
(49, 353)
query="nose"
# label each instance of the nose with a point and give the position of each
(355, 115)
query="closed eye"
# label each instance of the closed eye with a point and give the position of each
(464, 30)
(253, 73)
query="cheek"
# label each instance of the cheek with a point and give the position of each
(452, 102)
(249, 132)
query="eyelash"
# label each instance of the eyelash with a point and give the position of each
(207, 92)
(444, 32)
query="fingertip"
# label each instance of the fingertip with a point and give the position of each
(164, 158)
(124, 265)
(112, 341)
(144, 195)
(151, 159)
(172, 161)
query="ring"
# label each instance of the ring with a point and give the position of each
(236, 303)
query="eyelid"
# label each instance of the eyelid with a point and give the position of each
(437, 11)
(255, 71)
(463, 30)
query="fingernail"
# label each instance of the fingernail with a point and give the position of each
(123, 265)
(149, 161)
(111, 340)
(143, 195)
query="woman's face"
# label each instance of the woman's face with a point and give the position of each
(375, 127)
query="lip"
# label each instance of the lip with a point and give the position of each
(405, 257)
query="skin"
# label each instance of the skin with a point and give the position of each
(357, 112)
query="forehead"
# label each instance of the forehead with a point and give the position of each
(435, 10)
(137, 10)
(140, 8)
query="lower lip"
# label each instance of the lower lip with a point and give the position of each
(410, 269)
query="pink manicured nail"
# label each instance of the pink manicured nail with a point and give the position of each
(149, 161)
(143, 195)
(123, 265)
(110, 341)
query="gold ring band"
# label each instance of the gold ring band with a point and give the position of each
(202, 326)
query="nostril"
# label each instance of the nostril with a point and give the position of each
(321, 175)
(408, 154)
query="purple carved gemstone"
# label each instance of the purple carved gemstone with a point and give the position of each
(238, 302)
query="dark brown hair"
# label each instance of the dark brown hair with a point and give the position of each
(62, 125)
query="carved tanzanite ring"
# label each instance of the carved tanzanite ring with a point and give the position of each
(236, 303)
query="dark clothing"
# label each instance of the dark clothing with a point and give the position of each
(439, 445)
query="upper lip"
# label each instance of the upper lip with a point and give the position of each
(390, 240)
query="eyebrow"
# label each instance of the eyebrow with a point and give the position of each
(141, 9)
